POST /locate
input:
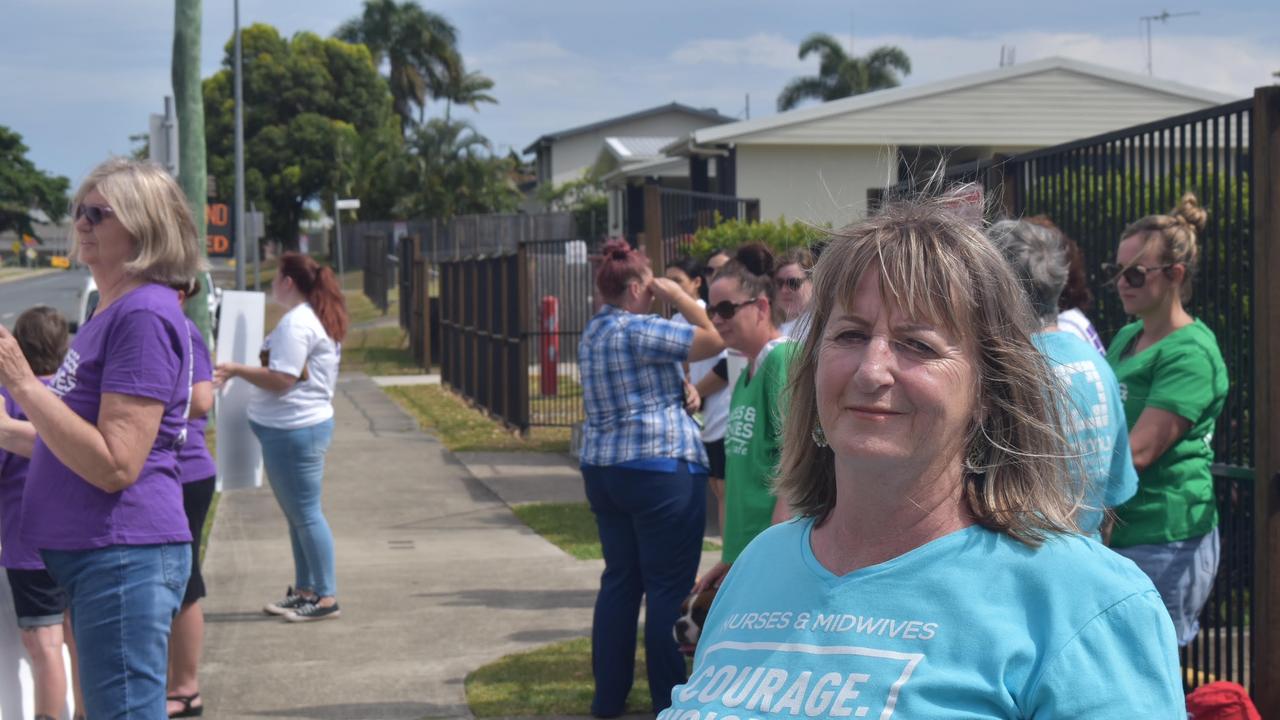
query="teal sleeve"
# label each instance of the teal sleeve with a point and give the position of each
(1183, 382)
(1123, 664)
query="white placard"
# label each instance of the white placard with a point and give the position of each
(240, 332)
(17, 692)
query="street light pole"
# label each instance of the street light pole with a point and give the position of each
(241, 241)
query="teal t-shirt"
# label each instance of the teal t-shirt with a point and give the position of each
(971, 625)
(752, 447)
(1096, 427)
(1184, 374)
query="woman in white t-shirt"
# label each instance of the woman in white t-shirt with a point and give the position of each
(291, 413)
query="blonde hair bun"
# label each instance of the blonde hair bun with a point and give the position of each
(1191, 212)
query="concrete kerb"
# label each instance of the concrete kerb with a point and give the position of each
(436, 578)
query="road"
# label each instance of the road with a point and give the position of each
(58, 290)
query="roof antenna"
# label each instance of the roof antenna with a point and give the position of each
(1164, 18)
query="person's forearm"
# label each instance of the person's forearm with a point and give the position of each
(265, 378)
(17, 437)
(689, 308)
(74, 441)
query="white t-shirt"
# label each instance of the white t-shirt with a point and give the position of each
(298, 341)
(1077, 323)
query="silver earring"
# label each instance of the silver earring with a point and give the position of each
(819, 437)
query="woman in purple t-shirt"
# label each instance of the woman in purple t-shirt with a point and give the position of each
(103, 500)
(199, 481)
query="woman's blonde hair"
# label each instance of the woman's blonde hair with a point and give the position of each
(154, 211)
(934, 265)
(1174, 236)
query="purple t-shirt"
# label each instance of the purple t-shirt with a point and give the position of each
(14, 553)
(137, 346)
(193, 457)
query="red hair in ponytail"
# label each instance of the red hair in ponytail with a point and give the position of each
(319, 286)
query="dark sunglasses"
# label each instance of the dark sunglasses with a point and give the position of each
(1135, 276)
(793, 284)
(726, 310)
(93, 213)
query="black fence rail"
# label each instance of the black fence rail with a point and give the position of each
(482, 354)
(379, 270)
(1092, 189)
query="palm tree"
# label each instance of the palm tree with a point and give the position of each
(841, 75)
(467, 88)
(420, 45)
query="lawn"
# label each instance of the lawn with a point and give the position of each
(552, 680)
(378, 351)
(571, 527)
(463, 428)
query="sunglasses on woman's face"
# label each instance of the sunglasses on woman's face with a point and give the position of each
(726, 309)
(1135, 275)
(792, 284)
(93, 213)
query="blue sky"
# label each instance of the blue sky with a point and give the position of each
(77, 77)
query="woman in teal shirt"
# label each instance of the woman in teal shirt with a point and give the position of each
(1174, 383)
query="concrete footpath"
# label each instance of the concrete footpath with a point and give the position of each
(436, 577)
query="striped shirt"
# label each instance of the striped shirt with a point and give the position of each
(633, 390)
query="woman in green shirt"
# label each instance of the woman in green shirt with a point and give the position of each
(1173, 383)
(745, 311)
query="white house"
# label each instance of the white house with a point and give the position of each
(563, 156)
(817, 163)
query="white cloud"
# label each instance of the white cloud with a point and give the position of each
(763, 49)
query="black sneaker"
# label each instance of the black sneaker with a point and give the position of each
(292, 601)
(311, 611)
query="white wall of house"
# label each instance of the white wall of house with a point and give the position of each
(822, 184)
(572, 155)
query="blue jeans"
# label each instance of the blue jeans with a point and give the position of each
(651, 526)
(123, 599)
(295, 468)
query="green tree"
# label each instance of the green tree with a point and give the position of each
(420, 47)
(312, 105)
(841, 75)
(467, 88)
(24, 188)
(452, 171)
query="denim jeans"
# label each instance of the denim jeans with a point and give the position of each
(295, 468)
(123, 599)
(650, 527)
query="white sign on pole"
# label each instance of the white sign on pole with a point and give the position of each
(349, 204)
(240, 332)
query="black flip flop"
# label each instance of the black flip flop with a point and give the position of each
(187, 710)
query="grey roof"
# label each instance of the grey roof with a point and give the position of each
(708, 113)
(632, 149)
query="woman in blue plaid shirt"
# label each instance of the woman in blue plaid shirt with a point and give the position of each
(645, 470)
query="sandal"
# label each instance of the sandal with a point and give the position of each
(187, 709)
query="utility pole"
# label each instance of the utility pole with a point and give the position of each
(189, 100)
(238, 208)
(1164, 18)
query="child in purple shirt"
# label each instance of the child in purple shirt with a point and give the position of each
(40, 605)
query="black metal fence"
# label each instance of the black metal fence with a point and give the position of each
(560, 300)
(379, 270)
(1092, 188)
(685, 212)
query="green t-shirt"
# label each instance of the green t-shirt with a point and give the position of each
(751, 449)
(1184, 374)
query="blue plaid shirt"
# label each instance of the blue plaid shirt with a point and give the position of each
(633, 390)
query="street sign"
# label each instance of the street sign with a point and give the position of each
(219, 233)
(349, 204)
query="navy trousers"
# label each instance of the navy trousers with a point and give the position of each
(651, 526)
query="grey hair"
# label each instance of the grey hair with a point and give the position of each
(1038, 257)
